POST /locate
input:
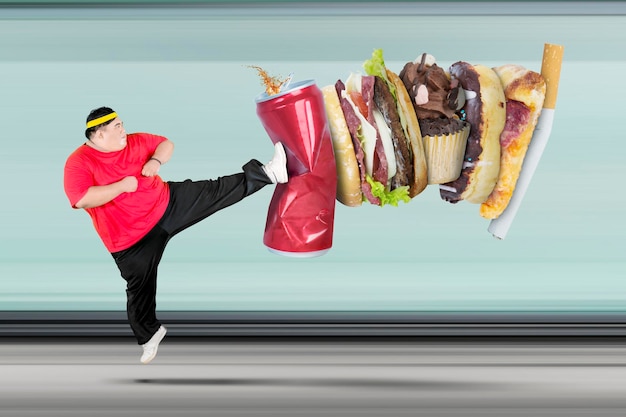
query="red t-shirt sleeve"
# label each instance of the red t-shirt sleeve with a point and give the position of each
(77, 178)
(151, 141)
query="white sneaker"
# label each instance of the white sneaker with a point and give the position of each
(276, 169)
(150, 348)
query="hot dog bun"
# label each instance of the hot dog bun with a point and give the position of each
(486, 113)
(525, 92)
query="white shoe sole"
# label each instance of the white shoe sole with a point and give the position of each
(158, 336)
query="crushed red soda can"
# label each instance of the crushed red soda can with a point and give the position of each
(301, 214)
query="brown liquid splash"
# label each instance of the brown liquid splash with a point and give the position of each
(272, 84)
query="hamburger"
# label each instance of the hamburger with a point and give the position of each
(378, 145)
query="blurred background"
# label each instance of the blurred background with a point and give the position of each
(181, 70)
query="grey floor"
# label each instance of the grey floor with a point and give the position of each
(313, 377)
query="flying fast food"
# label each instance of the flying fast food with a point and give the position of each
(436, 100)
(385, 137)
(440, 99)
(485, 111)
(525, 92)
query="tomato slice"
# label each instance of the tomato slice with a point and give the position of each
(357, 99)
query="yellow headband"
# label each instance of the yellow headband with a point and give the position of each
(100, 120)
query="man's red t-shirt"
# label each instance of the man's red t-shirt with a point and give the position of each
(123, 221)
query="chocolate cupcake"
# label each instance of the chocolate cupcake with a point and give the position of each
(436, 100)
(444, 146)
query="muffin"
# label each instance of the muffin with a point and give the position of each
(436, 100)
(444, 147)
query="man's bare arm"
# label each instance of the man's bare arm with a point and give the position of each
(162, 154)
(98, 195)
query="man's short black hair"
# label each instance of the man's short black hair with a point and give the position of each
(94, 114)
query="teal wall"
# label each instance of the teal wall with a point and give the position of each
(182, 73)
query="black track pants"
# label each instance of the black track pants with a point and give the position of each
(190, 202)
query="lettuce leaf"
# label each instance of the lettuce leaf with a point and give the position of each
(376, 66)
(392, 197)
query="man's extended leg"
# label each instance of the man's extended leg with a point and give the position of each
(193, 201)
